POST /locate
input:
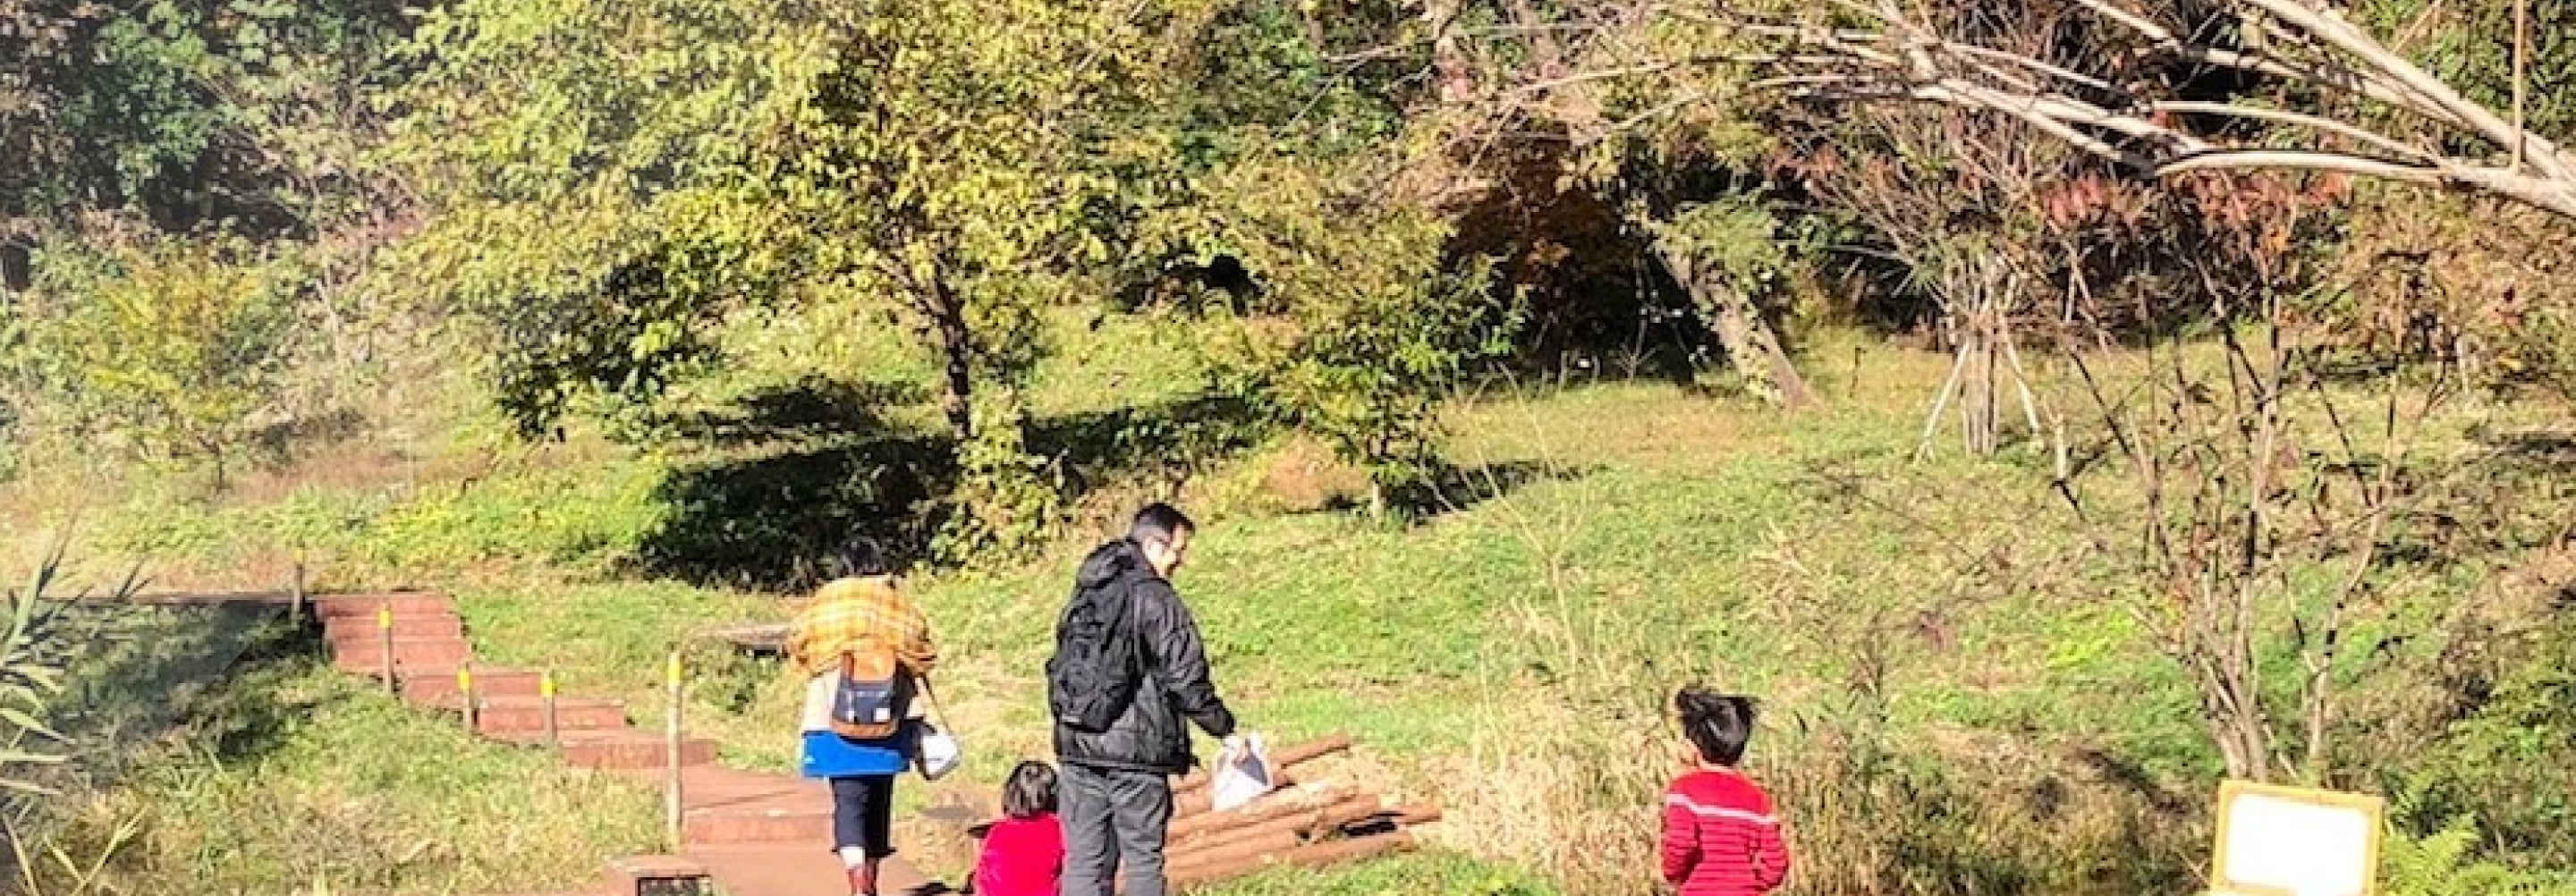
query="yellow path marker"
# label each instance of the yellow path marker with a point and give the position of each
(465, 694)
(385, 637)
(546, 692)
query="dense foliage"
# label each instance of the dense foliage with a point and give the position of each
(225, 223)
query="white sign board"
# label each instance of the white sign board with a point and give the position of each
(2286, 841)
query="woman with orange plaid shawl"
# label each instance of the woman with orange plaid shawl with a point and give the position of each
(865, 607)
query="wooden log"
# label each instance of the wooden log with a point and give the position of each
(1303, 824)
(1393, 819)
(1280, 759)
(1280, 802)
(1326, 853)
(1203, 801)
(1355, 817)
(1245, 850)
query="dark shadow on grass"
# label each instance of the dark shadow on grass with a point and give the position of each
(144, 686)
(279, 443)
(815, 407)
(2133, 777)
(2536, 450)
(1457, 488)
(769, 520)
(147, 674)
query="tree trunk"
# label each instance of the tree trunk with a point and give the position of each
(2218, 645)
(1749, 342)
(946, 311)
(1977, 394)
(2236, 722)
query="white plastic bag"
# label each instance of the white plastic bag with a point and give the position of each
(940, 753)
(1240, 778)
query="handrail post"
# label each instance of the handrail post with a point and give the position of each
(465, 695)
(671, 828)
(385, 639)
(546, 692)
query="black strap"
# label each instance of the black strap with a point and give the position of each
(933, 694)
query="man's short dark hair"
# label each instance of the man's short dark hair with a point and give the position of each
(1159, 522)
(860, 556)
(1717, 724)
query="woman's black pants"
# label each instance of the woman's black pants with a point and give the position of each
(863, 814)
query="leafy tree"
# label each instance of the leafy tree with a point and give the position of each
(185, 111)
(1361, 323)
(962, 166)
(676, 158)
(173, 342)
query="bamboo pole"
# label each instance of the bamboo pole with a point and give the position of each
(671, 757)
(546, 692)
(465, 695)
(385, 640)
(295, 592)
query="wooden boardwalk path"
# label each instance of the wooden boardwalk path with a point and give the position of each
(756, 834)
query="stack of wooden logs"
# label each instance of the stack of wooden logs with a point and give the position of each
(1305, 819)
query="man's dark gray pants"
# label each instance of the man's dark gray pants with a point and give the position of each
(1113, 816)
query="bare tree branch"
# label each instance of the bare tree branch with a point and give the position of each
(2319, 122)
(1906, 57)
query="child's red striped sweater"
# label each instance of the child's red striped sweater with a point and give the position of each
(1720, 838)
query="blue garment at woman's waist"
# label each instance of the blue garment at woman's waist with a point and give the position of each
(829, 755)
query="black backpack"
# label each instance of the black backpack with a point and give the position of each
(1095, 673)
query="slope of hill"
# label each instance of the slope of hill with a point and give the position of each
(1959, 699)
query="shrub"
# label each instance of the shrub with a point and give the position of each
(173, 345)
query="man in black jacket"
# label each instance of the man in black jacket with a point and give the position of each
(1116, 786)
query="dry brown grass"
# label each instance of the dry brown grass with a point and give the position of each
(1303, 476)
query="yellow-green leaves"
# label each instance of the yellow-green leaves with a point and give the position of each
(729, 151)
(174, 343)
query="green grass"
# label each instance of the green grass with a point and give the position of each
(1447, 874)
(355, 791)
(1934, 639)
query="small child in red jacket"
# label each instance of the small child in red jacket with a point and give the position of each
(1024, 852)
(1720, 838)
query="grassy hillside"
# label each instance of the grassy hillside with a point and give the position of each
(1957, 702)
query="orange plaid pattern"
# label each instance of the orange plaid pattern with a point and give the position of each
(848, 614)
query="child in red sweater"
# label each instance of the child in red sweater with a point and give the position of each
(1024, 852)
(1720, 838)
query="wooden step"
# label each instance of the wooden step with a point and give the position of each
(622, 749)
(362, 627)
(774, 824)
(436, 687)
(799, 870)
(430, 655)
(403, 603)
(729, 806)
(505, 717)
